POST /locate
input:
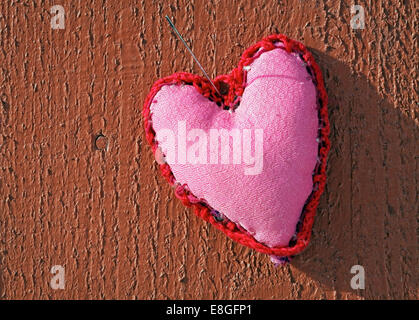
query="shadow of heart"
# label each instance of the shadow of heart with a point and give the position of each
(367, 213)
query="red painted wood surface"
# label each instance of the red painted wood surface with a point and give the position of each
(79, 187)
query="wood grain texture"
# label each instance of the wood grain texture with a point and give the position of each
(107, 215)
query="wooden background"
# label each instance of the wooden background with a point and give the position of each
(100, 208)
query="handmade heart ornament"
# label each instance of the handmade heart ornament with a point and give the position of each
(252, 160)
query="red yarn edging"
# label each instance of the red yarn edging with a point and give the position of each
(236, 81)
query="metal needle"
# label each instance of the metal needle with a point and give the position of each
(190, 51)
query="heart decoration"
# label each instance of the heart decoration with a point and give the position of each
(250, 157)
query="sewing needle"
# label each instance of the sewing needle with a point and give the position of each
(190, 51)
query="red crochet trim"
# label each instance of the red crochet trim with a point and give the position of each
(236, 82)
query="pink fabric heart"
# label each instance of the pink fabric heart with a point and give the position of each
(265, 197)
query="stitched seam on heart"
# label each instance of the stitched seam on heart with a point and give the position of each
(236, 81)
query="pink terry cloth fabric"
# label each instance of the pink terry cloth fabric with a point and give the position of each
(279, 98)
